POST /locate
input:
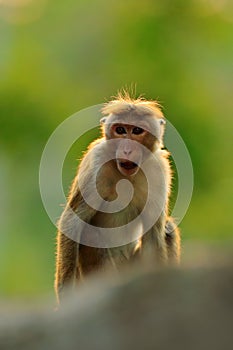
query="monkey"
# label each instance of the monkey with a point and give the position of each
(129, 150)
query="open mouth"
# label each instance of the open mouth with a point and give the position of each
(128, 165)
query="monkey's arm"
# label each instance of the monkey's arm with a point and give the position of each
(65, 263)
(153, 243)
(70, 228)
(68, 238)
(173, 241)
(163, 242)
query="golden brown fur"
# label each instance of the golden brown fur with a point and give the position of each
(161, 243)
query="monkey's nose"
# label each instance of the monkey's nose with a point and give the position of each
(127, 152)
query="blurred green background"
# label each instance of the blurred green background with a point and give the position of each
(57, 57)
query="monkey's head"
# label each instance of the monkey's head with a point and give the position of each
(132, 123)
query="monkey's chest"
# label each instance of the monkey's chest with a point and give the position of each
(116, 219)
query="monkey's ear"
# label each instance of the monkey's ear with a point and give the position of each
(162, 121)
(103, 120)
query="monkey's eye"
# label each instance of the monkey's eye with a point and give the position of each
(120, 130)
(137, 130)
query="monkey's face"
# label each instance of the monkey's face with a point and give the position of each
(129, 152)
(133, 131)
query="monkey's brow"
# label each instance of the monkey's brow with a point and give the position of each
(133, 125)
